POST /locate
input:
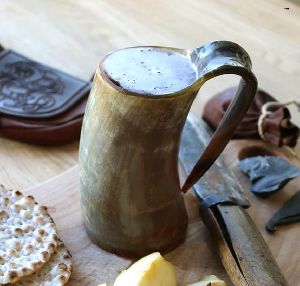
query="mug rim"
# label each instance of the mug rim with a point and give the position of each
(101, 72)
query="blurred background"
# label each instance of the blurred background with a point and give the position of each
(74, 36)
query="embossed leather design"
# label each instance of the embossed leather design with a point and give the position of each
(31, 90)
(38, 104)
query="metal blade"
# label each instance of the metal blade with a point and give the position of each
(218, 185)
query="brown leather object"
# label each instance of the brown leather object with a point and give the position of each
(39, 104)
(61, 129)
(276, 127)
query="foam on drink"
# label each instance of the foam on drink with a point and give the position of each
(152, 71)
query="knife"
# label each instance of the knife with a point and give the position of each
(241, 247)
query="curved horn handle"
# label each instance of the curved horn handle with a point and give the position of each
(214, 59)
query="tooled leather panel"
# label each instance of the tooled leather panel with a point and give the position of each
(29, 89)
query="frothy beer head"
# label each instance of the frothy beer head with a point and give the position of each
(150, 70)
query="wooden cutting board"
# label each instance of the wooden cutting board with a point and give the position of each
(194, 258)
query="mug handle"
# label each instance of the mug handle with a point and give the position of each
(214, 59)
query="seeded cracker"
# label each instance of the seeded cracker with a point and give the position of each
(28, 236)
(56, 272)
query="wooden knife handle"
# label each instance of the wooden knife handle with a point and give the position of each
(242, 249)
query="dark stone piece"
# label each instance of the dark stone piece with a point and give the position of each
(268, 174)
(289, 213)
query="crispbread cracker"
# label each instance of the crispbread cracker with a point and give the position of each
(56, 272)
(28, 236)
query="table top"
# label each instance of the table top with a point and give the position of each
(74, 35)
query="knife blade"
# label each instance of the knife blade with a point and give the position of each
(218, 185)
(242, 249)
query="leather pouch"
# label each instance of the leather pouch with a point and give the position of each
(276, 127)
(39, 104)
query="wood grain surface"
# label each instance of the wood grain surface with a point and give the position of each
(74, 35)
(92, 266)
(284, 244)
(193, 259)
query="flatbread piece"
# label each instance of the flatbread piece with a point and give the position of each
(56, 272)
(28, 236)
